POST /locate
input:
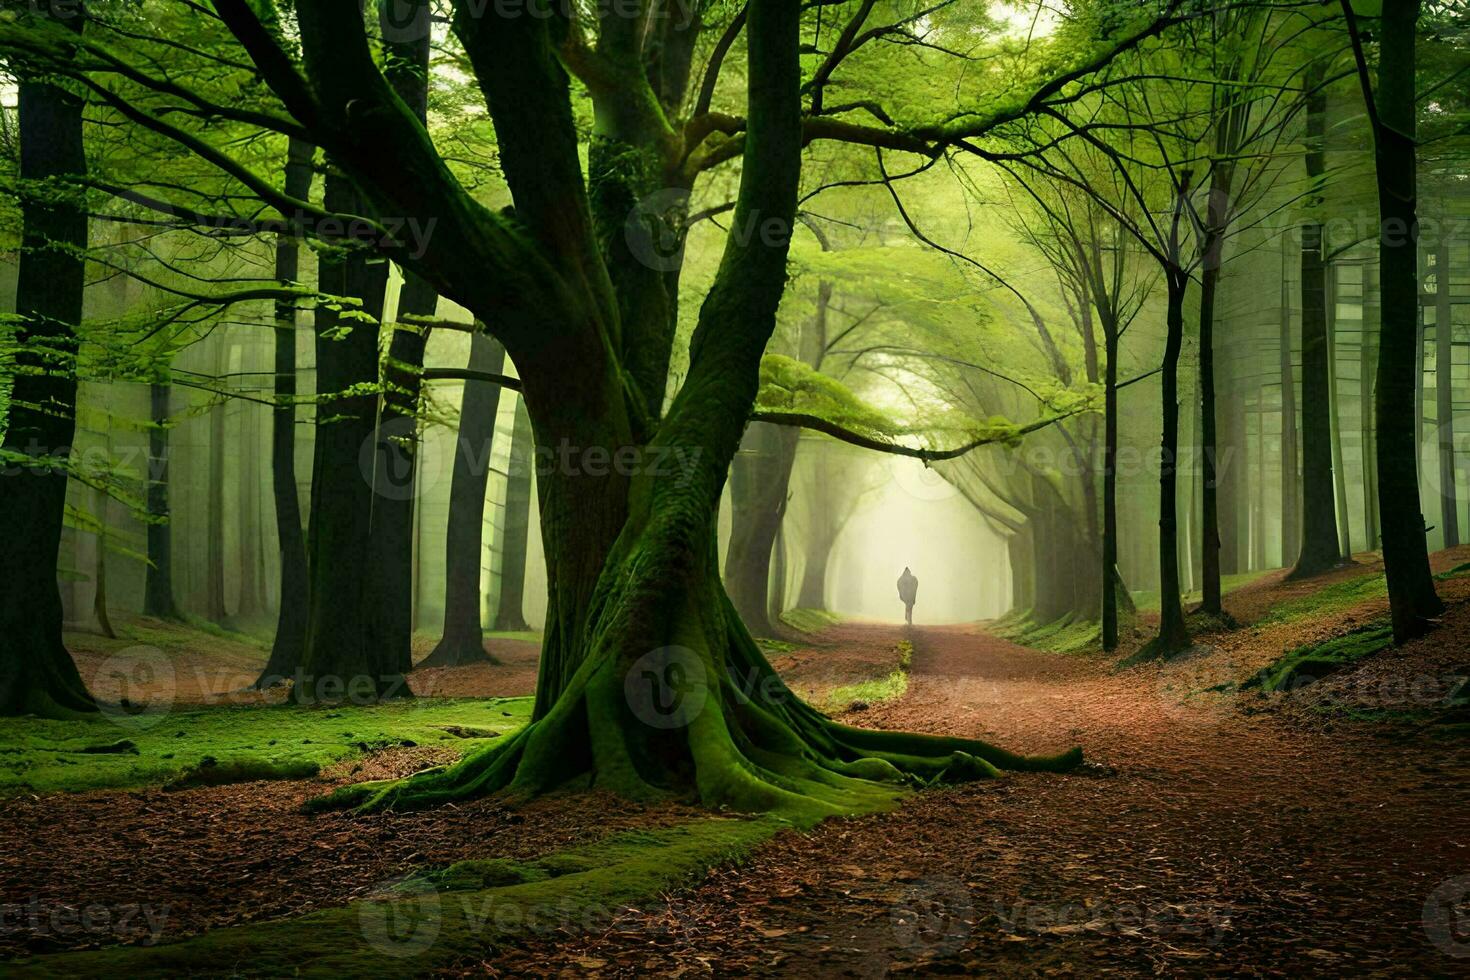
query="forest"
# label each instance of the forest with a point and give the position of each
(848, 488)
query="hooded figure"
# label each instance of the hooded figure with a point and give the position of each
(908, 591)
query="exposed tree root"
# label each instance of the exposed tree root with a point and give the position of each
(458, 651)
(724, 730)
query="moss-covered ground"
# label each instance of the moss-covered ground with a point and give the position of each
(433, 920)
(809, 620)
(877, 690)
(120, 750)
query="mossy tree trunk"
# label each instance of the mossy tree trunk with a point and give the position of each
(636, 608)
(463, 640)
(37, 674)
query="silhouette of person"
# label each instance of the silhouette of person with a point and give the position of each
(908, 591)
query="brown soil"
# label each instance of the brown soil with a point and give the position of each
(1198, 840)
(1204, 836)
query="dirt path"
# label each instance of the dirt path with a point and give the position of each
(1197, 840)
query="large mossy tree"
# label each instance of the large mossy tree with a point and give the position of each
(649, 682)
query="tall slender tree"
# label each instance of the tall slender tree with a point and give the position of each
(515, 524)
(1392, 109)
(37, 674)
(463, 639)
(289, 646)
(158, 584)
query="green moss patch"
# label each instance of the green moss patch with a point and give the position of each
(810, 620)
(1065, 635)
(432, 920)
(1307, 664)
(865, 694)
(234, 742)
(1329, 599)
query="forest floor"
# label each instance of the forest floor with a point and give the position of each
(1210, 831)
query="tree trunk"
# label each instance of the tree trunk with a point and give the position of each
(1444, 399)
(158, 584)
(655, 688)
(288, 650)
(515, 525)
(1211, 592)
(344, 657)
(1412, 598)
(99, 568)
(813, 591)
(252, 604)
(758, 494)
(395, 474)
(1290, 476)
(1173, 635)
(1110, 490)
(37, 674)
(463, 641)
(1320, 549)
(214, 549)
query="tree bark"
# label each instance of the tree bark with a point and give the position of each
(214, 550)
(37, 674)
(463, 640)
(1110, 488)
(158, 587)
(288, 649)
(759, 482)
(1320, 548)
(1444, 398)
(395, 474)
(1173, 634)
(344, 658)
(515, 525)
(1211, 592)
(1412, 598)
